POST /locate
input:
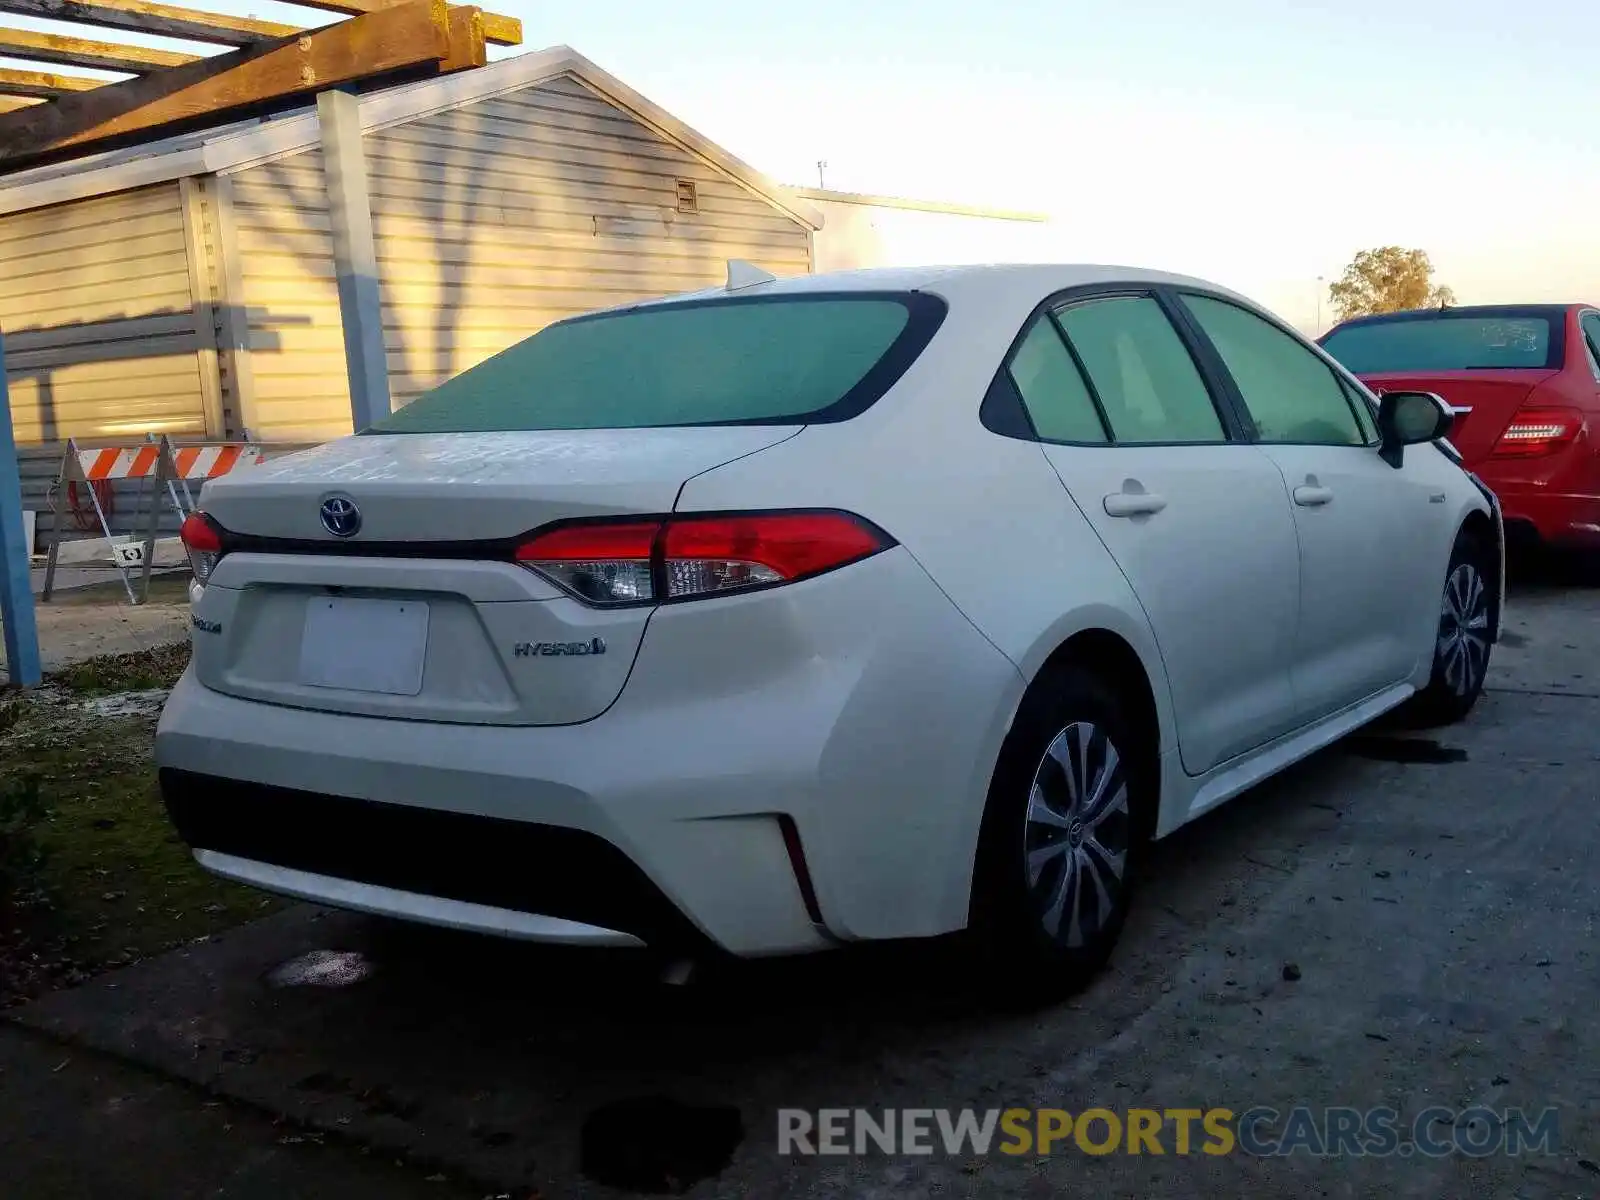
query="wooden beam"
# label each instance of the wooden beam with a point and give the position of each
(43, 85)
(413, 37)
(12, 103)
(82, 52)
(142, 16)
(165, 20)
(467, 49)
(501, 31)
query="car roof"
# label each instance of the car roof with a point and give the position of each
(1012, 282)
(1026, 277)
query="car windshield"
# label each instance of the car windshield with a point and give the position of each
(1447, 342)
(772, 360)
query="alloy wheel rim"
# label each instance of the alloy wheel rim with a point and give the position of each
(1077, 834)
(1463, 646)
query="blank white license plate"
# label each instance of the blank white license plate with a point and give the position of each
(364, 645)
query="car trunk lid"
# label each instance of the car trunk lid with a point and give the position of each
(1484, 401)
(420, 612)
(413, 489)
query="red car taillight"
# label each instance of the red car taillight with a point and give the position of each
(202, 538)
(1535, 431)
(680, 558)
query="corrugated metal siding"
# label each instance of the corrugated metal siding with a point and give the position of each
(491, 221)
(494, 219)
(74, 282)
(290, 299)
(100, 331)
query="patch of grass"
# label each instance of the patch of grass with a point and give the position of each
(21, 811)
(112, 882)
(138, 671)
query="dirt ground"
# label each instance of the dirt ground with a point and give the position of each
(83, 1126)
(98, 619)
(1434, 897)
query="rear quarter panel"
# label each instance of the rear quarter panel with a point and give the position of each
(985, 515)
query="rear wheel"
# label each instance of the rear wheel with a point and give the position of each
(1062, 838)
(1461, 646)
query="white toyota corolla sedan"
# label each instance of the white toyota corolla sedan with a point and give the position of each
(883, 604)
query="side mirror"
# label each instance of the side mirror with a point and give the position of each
(1409, 419)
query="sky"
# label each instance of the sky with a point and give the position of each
(1259, 144)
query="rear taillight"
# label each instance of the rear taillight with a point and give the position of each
(202, 538)
(681, 558)
(603, 564)
(1536, 431)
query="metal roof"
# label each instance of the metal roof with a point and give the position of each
(242, 144)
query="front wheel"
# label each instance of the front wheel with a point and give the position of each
(1461, 646)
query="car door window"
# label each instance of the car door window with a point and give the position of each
(1143, 375)
(1052, 388)
(1292, 395)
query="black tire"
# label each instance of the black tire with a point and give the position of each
(1461, 647)
(1048, 900)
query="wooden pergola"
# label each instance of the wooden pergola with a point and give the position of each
(266, 67)
(46, 115)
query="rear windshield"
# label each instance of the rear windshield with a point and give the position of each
(770, 360)
(1465, 342)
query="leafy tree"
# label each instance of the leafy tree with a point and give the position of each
(1388, 279)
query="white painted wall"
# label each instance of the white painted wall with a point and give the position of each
(888, 233)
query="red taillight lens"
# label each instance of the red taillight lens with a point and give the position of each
(716, 554)
(202, 538)
(1536, 431)
(683, 557)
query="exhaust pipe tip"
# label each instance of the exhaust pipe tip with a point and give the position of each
(678, 973)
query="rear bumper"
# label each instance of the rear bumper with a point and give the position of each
(1553, 500)
(413, 906)
(1564, 521)
(659, 820)
(517, 878)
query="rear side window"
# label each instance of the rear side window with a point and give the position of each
(1292, 395)
(1142, 373)
(1446, 342)
(771, 360)
(1591, 336)
(1052, 389)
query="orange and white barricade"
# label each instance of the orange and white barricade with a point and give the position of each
(203, 461)
(156, 463)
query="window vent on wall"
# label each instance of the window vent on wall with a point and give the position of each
(688, 196)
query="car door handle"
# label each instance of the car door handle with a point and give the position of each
(1133, 504)
(1308, 496)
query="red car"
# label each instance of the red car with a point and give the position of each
(1524, 381)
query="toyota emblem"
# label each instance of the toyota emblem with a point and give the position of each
(341, 517)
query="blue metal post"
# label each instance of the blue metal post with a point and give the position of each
(16, 578)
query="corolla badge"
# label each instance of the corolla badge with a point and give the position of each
(340, 516)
